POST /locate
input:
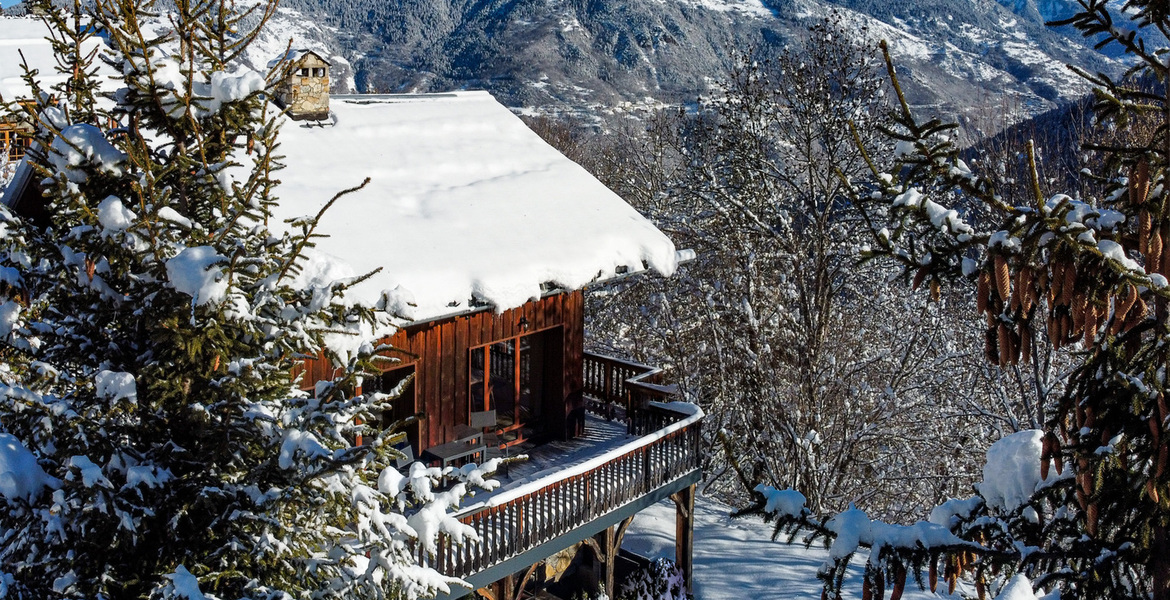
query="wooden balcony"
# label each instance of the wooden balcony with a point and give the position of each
(621, 389)
(522, 526)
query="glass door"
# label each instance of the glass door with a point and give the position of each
(506, 377)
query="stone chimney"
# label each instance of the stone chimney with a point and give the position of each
(304, 90)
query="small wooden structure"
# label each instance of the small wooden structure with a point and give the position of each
(304, 90)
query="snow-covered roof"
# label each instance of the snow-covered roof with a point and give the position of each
(28, 36)
(293, 56)
(464, 202)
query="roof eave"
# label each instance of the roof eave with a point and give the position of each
(550, 289)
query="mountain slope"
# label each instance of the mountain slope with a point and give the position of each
(591, 54)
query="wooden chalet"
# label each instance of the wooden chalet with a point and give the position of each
(26, 39)
(486, 238)
(482, 238)
(525, 364)
(19, 35)
(15, 136)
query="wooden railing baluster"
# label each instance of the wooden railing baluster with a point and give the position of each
(513, 527)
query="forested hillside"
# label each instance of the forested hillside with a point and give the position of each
(592, 56)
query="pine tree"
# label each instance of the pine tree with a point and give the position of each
(153, 324)
(1088, 273)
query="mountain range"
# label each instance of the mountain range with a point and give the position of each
(989, 62)
(590, 56)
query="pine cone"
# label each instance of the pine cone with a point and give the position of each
(1070, 283)
(1080, 303)
(982, 290)
(1121, 306)
(952, 574)
(1005, 345)
(1003, 278)
(1139, 182)
(1136, 314)
(1025, 335)
(1056, 282)
(991, 346)
(919, 276)
(1154, 253)
(899, 582)
(1054, 451)
(1090, 325)
(1145, 224)
(1025, 289)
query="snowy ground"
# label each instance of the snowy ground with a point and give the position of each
(736, 559)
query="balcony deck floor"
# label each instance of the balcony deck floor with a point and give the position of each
(550, 458)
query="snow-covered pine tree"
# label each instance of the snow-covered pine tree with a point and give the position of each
(1092, 512)
(153, 443)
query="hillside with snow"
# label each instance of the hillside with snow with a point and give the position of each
(737, 558)
(592, 57)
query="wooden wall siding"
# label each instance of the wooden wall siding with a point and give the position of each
(440, 351)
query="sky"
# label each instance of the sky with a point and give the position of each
(7, 3)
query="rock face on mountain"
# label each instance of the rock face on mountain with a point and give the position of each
(586, 55)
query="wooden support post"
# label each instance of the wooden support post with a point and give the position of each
(609, 560)
(684, 532)
(508, 588)
(605, 550)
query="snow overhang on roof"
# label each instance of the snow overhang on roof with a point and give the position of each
(465, 206)
(292, 56)
(27, 36)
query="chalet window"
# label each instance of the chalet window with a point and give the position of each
(404, 407)
(305, 72)
(508, 377)
(319, 72)
(13, 141)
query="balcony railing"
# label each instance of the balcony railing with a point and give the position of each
(621, 389)
(519, 520)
